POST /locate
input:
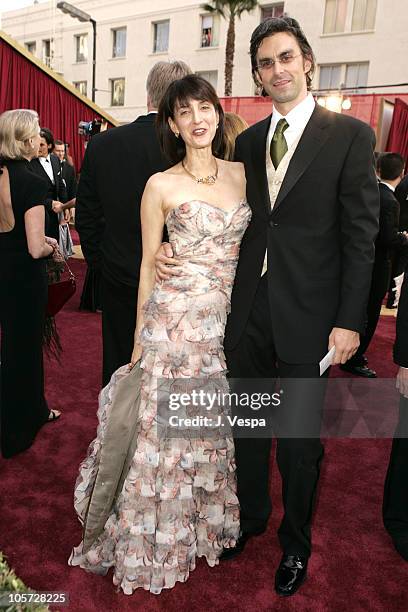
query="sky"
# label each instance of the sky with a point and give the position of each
(12, 5)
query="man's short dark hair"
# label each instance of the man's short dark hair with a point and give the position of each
(59, 142)
(48, 136)
(191, 87)
(272, 26)
(391, 166)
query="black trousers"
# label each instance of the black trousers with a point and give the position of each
(298, 456)
(395, 503)
(119, 304)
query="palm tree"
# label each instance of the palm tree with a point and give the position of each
(229, 9)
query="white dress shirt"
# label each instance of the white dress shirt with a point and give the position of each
(297, 118)
(46, 164)
(388, 185)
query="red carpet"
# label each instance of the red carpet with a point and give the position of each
(353, 566)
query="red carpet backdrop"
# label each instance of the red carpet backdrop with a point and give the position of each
(353, 565)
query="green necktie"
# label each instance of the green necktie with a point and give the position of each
(278, 143)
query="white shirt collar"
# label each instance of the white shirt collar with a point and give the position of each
(297, 118)
(388, 185)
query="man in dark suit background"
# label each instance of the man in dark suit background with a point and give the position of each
(390, 241)
(67, 171)
(115, 170)
(47, 166)
(395, 504)
(314, 198)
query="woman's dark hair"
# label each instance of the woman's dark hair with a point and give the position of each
(48, 136)
(272, 26)
(190, 87)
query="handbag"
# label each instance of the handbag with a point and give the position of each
(65, 243)
(60, 292)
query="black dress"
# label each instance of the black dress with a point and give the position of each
(23, 295)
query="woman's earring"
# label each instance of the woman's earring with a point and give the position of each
(177, 134)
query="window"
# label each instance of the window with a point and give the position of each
(356, 75)
(330, 76)
(335, 16)
(117, 92)
(161, 36)
(31, 47)
(209, 31)
(272, 10)
(119, 42)
(81, 45)
(46, 51)
(364, 12)
(211, 76)
(82, 87)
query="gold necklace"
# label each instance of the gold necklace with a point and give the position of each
(205, 180)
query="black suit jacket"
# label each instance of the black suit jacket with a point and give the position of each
(389, 240)
(389, 237)
(116, 168)
(401, 193)
(56, 191)
(401, 340)
(320, 235)
(69, 175)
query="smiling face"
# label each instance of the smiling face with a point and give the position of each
(196, 122)
(284, 82)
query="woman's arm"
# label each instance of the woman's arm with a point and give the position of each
(152, 221)
(34, 220)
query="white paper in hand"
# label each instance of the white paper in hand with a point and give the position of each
(327, 360)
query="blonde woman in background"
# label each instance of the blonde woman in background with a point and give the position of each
(23, 283)
(233, 126)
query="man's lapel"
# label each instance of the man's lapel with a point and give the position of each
(259, 164)
(312, 140)
(42, 169)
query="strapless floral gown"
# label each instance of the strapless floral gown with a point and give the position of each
(179, 500)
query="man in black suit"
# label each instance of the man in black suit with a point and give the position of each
(115, 170)
(389, 241)
(395, 504)
(47, 166)
(302, 280)
(67, 171)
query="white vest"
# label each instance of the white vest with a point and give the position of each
(275, 178)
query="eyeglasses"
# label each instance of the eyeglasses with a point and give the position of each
(268, 63)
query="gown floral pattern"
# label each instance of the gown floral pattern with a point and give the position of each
(178, 501)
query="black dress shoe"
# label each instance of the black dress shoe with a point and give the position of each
(364, 360)
(358, 370)
(291, 574)
(230, 553)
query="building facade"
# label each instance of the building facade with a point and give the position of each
(358, 44)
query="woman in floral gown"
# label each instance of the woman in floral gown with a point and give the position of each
(178, 500)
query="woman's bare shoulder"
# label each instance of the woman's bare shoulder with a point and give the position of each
(236, 170)
(161, 180)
